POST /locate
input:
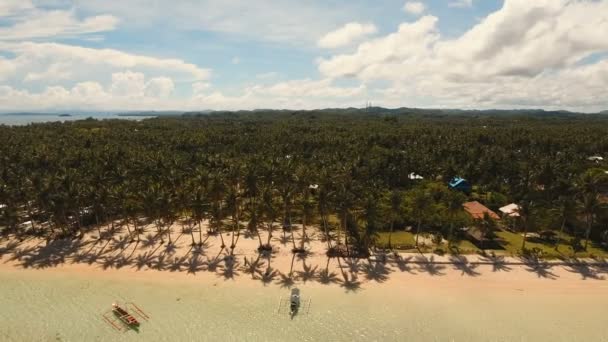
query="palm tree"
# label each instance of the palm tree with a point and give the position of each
(307, 212)
(268, 211)
(323, 202)
(589, 202)
(525, 213)
(418, 201)
(454, 203)
(217, 192)
(394, 212)
(564, 209)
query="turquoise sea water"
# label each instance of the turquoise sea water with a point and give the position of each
(55, 307)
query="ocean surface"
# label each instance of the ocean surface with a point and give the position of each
(45, 306)
(24, 119)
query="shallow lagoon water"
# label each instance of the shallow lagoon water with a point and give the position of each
(47, 307)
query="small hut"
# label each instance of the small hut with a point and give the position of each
(482, 233)
(477, 210)
(510, 210)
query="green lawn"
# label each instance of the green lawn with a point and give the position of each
(399, 240)
(513, 242)
(512, 245)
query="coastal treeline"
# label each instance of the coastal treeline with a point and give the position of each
(354, 174)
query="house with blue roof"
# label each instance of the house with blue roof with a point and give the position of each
(460, 184)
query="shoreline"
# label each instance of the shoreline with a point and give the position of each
(152, 261)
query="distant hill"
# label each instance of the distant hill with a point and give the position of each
(405, 111)
(152, 113)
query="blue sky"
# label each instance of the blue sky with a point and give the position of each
(235, 54)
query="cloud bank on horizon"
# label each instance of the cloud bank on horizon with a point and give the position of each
(213, 54)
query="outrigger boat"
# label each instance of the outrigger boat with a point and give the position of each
(294, 300)
(295, 304)
(122, 317)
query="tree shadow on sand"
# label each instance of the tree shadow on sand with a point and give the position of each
(601, 265)
(308, 272)
(144, 260)
(286, 280)
(583, 268)
(267, 275)
(353, 264)
(428, 265)
(92, 254)
(176, 263)
(540, 267)
(149, 241)
(376, 271)
(194, 264)
(498, 262)
(461, 263)
(56, 252)
(8, 248)
(350, 284)
(253, 267)
(403, 264)
(327, 277)
(229, 270)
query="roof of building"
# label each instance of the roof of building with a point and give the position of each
(458, 181)
(477, 210)
(510, 210)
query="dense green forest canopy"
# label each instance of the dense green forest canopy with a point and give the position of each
(349, 163)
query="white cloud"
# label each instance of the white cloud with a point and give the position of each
(294, 94)
(414, 7)
(160, 87)
(525, 54)
(236, 60)
(28, 22)
(461, 3)
(134, 91)
(52, 62)
(128, 90)
(410, 43)
(130, 84)
(11, 7)
(285, 21)
(199, 88)
(346, 35)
